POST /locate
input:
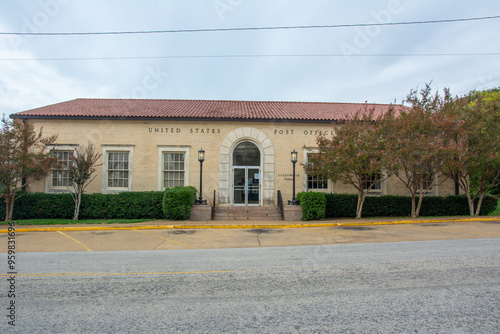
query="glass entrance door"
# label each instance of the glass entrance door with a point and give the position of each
(246, 174)
(246, 185)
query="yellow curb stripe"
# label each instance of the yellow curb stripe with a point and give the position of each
(78, 242)
(116, 274)
(158, 236)
(187, 227)
(89, 228)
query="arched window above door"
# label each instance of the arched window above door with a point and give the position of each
(246, 154)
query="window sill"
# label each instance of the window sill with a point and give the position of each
(116, 190)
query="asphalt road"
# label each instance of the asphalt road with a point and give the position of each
(449, 286)
(163, 239)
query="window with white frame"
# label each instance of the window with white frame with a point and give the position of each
(314, 181)
(427, 178)
(60, 169)
(58, 180)
(173, 169)
(117, 168)
(173, 166)
(427, 182)
(373, 183)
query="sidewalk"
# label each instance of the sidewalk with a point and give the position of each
(244, 224)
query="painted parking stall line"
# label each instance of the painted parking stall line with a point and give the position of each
(79, 274)
(78, 242)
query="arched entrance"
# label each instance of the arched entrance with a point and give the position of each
(246, 174)
(266, 177)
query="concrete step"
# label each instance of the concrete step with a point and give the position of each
(247, 213)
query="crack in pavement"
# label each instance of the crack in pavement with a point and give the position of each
(166, 239)
(161, 243)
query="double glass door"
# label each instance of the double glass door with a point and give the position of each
(246, 185)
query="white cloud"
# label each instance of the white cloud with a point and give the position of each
(30, 84)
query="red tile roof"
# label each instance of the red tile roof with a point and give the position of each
(199, 109)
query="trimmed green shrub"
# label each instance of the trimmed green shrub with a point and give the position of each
(40, 205)
(341, 205)
(149, 205)
(344, 205)
(178, 201)
(125, 205)
(313, 205)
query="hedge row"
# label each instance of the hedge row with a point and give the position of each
(341, 205)
(344, 205)
(125, 205)
(148, 205)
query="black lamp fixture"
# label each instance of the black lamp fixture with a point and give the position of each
(201, 158)
(294, 161)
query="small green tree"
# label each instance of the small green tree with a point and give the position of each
(23, 155)
(354, 155)
(83, 164)
(474, 157)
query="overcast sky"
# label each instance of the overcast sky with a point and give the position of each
(355, 70)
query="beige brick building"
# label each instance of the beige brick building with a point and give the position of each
(152, 144)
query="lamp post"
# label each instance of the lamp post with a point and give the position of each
(201, 158)
(294, 161)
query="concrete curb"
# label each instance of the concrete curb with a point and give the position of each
(240, 226)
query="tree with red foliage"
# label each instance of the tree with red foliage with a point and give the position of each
(23, 155)
(415, 149)
(83, 164)
(354, 155)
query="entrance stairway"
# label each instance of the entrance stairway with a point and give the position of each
(247, 213)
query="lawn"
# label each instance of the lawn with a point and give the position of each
(69, 221)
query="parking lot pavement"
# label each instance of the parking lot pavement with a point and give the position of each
(140, 237)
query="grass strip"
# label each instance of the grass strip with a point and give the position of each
(25, 222)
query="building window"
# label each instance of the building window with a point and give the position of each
(315, 181)
(60, 169)
(118, 169)
(173, 166)
(173, 169)
(373, 182)
(427, 182)
(58, 180)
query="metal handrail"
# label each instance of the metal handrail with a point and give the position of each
(213, 207)
(280, 204)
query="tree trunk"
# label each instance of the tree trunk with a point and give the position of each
(471, 203)
(413, 206)
(361, 201)
(420, 200)
(479, 202)
(78, 200)
(9, 208)
(465, 185)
